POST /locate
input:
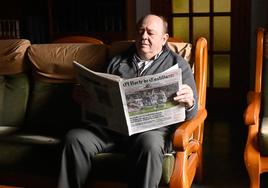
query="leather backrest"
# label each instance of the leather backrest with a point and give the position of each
(54, 62)
(12, 53)
(78, 39)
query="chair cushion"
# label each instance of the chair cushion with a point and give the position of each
(7, 130)
(113, 166)
(181, 48)
(168, 166)
(53, 62)
(30, 153)
(26, 138)
(263, 136)
(12, 53)
(263, 129)
(51, 109)
(14, 93)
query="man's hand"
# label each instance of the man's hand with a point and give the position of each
(185, 95)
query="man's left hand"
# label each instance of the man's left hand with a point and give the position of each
(185, 95)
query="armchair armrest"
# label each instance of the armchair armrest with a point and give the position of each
(184, 132)
(251, 114)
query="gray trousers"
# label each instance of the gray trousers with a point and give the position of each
(145, 153)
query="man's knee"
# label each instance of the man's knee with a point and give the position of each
(150, 142)
(73, 135)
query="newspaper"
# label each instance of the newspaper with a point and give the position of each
(130, 106)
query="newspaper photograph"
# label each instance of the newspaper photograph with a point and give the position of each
(131, 106)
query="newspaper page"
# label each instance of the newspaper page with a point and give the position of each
(131, 106)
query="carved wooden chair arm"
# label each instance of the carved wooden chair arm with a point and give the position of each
(251, 114)
(184, 132)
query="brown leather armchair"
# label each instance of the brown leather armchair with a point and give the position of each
(185, 163)
(256, 152)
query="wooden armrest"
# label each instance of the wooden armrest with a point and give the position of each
(184, 132)
(251, 114)
(192, 147)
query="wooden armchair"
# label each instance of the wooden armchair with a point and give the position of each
(188, 138)
(256, 152)
(186, 161)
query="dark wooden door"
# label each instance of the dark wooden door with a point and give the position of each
(226, 26)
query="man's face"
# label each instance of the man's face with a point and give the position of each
(150, 37)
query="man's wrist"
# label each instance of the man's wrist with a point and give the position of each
(190, 107)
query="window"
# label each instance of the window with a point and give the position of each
(212, 20)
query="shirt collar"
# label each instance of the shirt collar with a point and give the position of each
(155, 57)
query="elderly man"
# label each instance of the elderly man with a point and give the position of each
(145, 150)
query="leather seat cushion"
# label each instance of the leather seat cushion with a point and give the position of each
(113, 166)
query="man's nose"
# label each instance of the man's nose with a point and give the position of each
(144, 35)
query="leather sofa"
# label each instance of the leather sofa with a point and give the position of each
(37, 107)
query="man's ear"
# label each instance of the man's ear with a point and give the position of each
(165, 38)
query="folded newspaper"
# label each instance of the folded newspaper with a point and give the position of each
(130, 106)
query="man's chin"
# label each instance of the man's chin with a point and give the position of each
(144, 49)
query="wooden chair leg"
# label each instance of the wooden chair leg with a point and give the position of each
(254, 179)
(180, 177)
(199, 176)
(252, 162)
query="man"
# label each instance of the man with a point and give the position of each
(145, 150)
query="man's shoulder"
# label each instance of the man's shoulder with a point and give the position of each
(125, 52)
(177, 57)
